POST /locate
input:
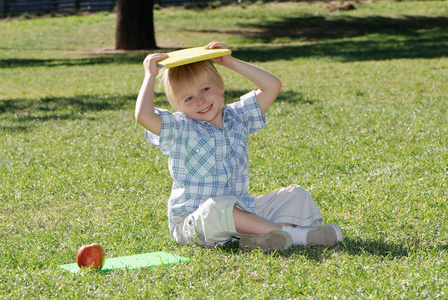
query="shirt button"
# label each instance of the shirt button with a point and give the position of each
(197, 150)
(230, 180)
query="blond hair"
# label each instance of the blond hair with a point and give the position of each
(176, 80)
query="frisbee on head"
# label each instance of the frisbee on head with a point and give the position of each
(191, 55)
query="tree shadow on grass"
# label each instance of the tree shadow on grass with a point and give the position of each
(21, 115)
(287, 96)
(97, 59)
(58, 105)
(318, 28)
(360, 247)
(349, 51)
(353, 247)
(346, 38)
(86, 103)
(25, 113)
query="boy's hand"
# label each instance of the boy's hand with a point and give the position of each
(150, 63)
(220, 60)
(268, 85)
(144, 107)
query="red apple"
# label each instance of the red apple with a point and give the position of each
(91, 255)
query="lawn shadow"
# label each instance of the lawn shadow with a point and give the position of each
(356, 247)
(348, 50)
(14, 128)
(24, 114)
(347, 38)
(318, 28)
(390, 250)
(92, 59)
(288, 96)
(350, 246)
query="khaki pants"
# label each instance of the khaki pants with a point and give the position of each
(212, 223)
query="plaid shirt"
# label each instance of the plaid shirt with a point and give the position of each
(206, 161)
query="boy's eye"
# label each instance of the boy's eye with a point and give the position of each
(205, 89)
(188, 99)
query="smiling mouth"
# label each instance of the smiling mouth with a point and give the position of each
(205, 110)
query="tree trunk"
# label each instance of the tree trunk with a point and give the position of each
(135, 25)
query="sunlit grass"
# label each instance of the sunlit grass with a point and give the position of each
(360, 123)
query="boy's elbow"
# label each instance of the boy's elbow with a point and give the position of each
(278, 85)
(151, 122)
(140, 117)
(137, 116)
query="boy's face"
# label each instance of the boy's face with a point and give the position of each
(203, 102)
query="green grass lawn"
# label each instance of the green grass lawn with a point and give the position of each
(361, 123)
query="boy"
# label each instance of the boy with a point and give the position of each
(208, 160)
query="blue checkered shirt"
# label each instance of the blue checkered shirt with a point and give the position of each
(206, 161)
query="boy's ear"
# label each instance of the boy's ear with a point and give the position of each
(222, 86)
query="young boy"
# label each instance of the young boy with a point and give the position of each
(209, 160)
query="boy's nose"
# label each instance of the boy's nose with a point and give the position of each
(200, 100)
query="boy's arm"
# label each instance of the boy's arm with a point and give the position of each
(144, 107)
(268, 85)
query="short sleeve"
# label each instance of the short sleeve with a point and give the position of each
(171, 122)
(248, 106)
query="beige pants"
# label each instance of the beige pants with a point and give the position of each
(212, 223)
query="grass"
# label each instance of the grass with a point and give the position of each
(361, 123)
